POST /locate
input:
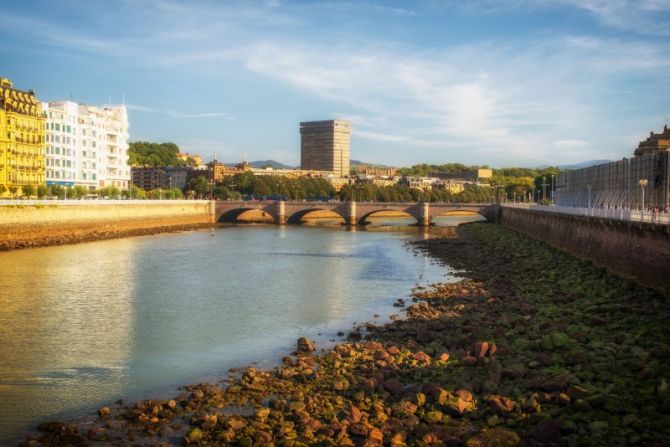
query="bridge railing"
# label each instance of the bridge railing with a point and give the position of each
(608, 213)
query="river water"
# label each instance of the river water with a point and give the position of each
(84, 325)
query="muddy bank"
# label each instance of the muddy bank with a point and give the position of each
(37, 235)
(534, 348)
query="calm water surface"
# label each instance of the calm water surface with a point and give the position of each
(84, 325)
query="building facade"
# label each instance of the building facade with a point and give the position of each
(21, 138)
(87, 145)
(147, 178)
(655, 143)
(325, 146)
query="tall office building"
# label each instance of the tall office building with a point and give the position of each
(21, 138)
(87, 145)
(324, 146)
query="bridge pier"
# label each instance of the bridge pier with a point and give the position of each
(351, 219)
(212, 211)
(281, 212)
(424, 214)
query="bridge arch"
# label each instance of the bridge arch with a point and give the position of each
(233, 216)
(487, 212)
(405, 213)
(298, 217)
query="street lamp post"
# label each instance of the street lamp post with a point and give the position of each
(553, 188)
(589, 198)
(643, 184)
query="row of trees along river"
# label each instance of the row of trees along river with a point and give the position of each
(509, 182)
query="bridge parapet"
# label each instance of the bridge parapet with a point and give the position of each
(353, 213)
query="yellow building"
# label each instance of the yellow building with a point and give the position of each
(22, 139)
(196, 160)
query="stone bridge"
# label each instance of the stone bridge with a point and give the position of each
(353, 213)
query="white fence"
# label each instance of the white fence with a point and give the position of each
(609, 213)
(96, 202)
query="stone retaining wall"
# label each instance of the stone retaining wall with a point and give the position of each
(632, 249)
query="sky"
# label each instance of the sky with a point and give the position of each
(496, 82)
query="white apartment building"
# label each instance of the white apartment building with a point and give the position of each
(86, 145)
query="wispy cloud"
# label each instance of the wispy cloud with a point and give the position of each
(176, 114)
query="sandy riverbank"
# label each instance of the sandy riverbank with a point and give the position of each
(534, 348)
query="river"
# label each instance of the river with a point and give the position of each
(84, 325)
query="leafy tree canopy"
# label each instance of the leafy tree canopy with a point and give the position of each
(143, 153)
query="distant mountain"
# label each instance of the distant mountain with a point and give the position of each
(370, 165)
(266, 163)
(584, 164)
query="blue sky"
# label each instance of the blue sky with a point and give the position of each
(498, 82)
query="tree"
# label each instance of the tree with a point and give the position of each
(78, 192)
(200, 185)
(142, 153)
(28, 190)
(42, 191)
(3, 188)
(109, 191)
(57, 191)
(134, 193)
(13, 189)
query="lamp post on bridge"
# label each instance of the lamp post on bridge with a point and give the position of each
(643, 184)
(589, 198)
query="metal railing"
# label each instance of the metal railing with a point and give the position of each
(608, 213)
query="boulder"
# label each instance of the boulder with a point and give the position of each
(306, 346)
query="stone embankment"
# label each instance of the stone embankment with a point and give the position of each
(534, 348)
(37, 225)
(639, 250)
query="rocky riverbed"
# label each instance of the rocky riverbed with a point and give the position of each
(533, 347)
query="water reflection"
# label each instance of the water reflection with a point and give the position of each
(62, 325)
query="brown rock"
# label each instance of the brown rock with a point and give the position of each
(406, 408)
(577, 392)
(354, 415)
(479, 350)
(501, 405)
(421, 357)
(306, 346)
(398, 440)
(444, 357)
(358, 429)
(376, 435)
(393, 386)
